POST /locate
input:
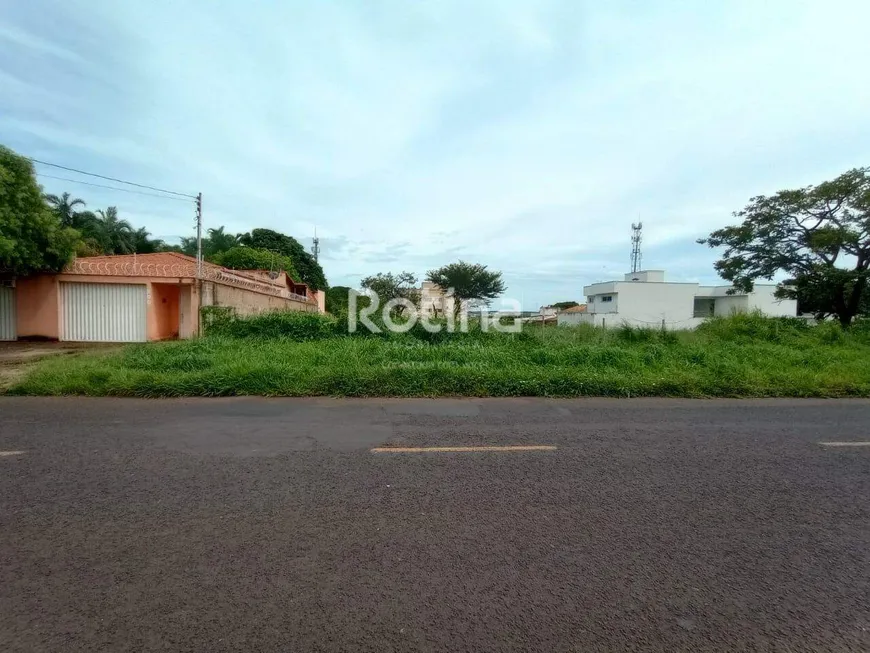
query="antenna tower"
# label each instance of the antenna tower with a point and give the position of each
(636, 239)
(315, 246)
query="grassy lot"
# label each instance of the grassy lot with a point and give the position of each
(301, 355)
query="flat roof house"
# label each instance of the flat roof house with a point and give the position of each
(138, 297)
(645, 299)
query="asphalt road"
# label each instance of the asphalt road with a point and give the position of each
(269, 525)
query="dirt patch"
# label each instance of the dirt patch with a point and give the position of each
(16, 358)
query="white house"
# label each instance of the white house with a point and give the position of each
(646, 299)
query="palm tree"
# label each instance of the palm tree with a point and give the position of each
(65, 208)
(188, 245)
(218, 241)
(142, 244)
(116, 235)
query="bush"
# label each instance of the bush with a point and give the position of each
(296, 354)
(289, 325)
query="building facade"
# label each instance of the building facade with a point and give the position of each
(646, 299)
(135, 298)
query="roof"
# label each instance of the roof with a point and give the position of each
(576, 309)
(173, 265)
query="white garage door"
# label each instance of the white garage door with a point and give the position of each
(103, 312)
(7, 313)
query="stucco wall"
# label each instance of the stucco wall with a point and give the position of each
(570, 319)
(249, 302)
(650, 303)
(594, 303)
(731, 304)
(762, 298)
(37, 307)
(320, 297)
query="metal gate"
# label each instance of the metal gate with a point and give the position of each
(7, 313)
(103, 312)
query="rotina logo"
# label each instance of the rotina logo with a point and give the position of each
(400, 315)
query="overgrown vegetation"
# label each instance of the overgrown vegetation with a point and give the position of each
(298, 354)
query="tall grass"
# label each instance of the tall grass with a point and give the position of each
(740, 356)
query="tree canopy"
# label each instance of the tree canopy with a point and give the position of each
(32, 238)
(389, 286)
(472, 283)
(310, 271)
(561, 306)
(819, 236)
(250, 258)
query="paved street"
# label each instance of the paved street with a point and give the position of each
(270, 525)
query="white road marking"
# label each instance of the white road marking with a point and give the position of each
(517, 447)
(10, 453)
(845, 444)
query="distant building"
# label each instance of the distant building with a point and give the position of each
(644, 298)
(571, 316)
(433, 301)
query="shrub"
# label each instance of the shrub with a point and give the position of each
(290, 325)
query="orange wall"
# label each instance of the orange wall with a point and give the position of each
(37, 306)
(163, 316)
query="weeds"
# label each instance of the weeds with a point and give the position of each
(297, 354)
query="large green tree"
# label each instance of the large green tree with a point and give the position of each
(390, 286)
(819, 236)
(218, 241)
(114, 234)
(32, 239)
(251, 258)
(473, 284)
(309, 269)
(64, 206)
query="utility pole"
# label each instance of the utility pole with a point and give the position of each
(315, 247)
(636, 238)
(198, 264)
(199, 236)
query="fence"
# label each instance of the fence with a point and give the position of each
(182, 269)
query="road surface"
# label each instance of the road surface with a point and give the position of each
(270, 525)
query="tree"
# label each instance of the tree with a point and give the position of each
(818, 235)
(250, 258)
(472, 283)
(309, 269)
(144, 244)
(188, 246)
(218, 241)
(65, 208)
(32, 239)
(561, 306)
(115, 235)
(337, 298)
(390, 286)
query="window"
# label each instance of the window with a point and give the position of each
(607, 298)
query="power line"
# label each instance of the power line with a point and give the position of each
(123, 190)
(120, 181)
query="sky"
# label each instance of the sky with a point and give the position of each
(526, 136)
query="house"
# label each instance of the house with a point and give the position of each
(571, 316)
(134, 298)
(645, 299)
(433, 301)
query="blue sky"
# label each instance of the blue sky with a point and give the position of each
(523, 135)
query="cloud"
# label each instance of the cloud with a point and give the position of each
(526, 136)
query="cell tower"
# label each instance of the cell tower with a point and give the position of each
(636, 238)
(315, 246)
